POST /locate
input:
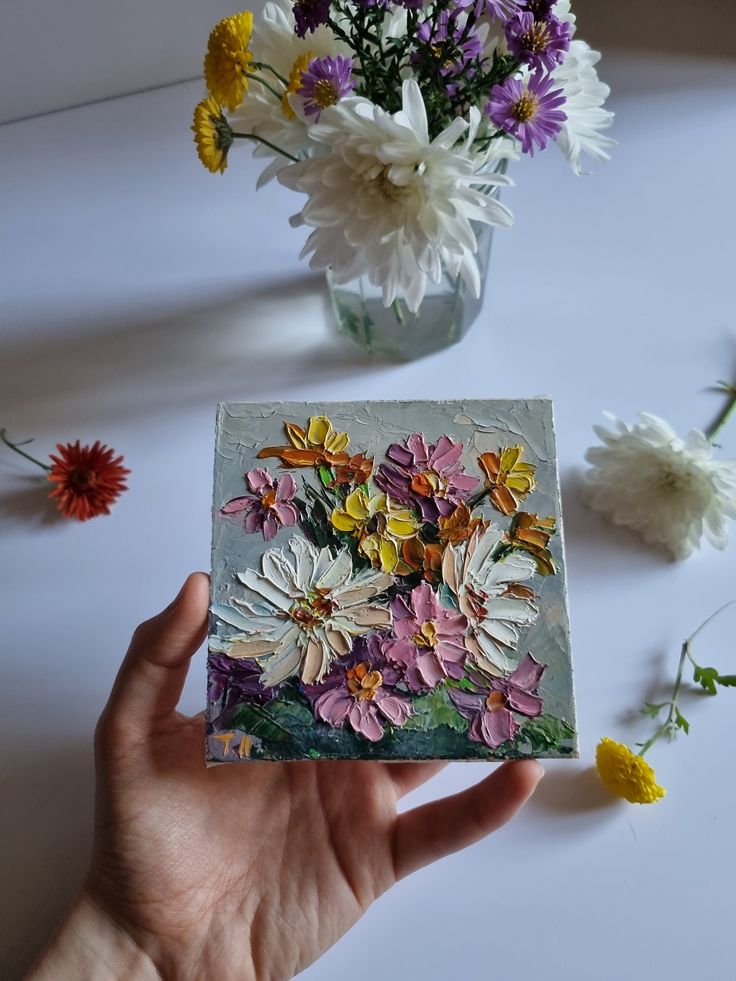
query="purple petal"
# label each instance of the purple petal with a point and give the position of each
(254, 520)
(424, 603)
(333, 707)
(445, 454)
(259, 480)
(528, 674)
(285, 487)
(363, 719)
(468, 704)
(397, 710)
(495, 727)
(522, 701)
(270, 526)
(286, 512)
(400, 454)
(430, 668)
(463, 483)
(239, 504)
(418, 448)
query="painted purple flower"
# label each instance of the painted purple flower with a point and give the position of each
(491, 708)
(527, 110)
(538, 43)
(362, 692)
(502, 10)
(446, 44)
(269, 507)
(428, 477)
(230, 682)
(310, 14)
(429, 639)
(325, 82)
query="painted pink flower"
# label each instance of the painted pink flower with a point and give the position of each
(491, 708)
(428, 477)
(270, 505)
(361, 692)
(429, 639)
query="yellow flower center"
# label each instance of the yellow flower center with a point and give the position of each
(269, 499)
(426, 636)
(525, 107)
(495, 701)
(537, 38)
(325, 94)
(364, 683)
(313, 610)
(428, 484)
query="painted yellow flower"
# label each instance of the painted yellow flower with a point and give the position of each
(295, 80)
(509, 478)
(626, 774)
(531, 534)
(318, 444)
(379, 524)
(212, 135)
(228, 59)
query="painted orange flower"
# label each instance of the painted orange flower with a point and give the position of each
(356, 471)
(460, 525)
(510, 479)
(319, 444)
(88, 479)
(531, 534)
(424, 557)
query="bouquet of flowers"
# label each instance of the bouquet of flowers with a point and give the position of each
(398, 603)
(396, 118)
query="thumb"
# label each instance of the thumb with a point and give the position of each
(151, 677)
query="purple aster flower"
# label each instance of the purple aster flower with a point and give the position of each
(269, 507)
(310, 14)
(429, 642)
(362, 692)
(502, 10)
(446, 45)
(231, 682)
(542, 9)
(527, 110)
(428, 477)
(325, 82)
(539, 43)
(491, 707)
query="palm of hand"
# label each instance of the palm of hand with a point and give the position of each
(251, 870)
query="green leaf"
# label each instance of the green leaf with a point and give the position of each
(681, 722)
(326, 475)
(434, 710)
(706, 678)
(281, 719)
(545, 733)
(653, 710)
(256, 720)
(727, 680)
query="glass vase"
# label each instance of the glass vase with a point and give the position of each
(445, 316)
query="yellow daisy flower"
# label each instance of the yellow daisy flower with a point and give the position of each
(379, 524)
(509, 478)
(212, 135)
(295, 80)
(626, 774)
(228, 59)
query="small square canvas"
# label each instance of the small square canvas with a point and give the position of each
(388, 583)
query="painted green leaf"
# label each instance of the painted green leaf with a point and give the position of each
(545, 733)
(326, 476)
(434, 710)
(257, 721)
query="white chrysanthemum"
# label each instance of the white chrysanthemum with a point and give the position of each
(585, 95)
(301, 612)
(488, 592)
(387, 202)
(275, 43)
(667, 489)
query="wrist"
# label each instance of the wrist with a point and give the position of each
(90, 946)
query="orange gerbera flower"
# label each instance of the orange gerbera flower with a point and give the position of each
(318, 445)
(509, 479)
(88, 479)
(460, 525)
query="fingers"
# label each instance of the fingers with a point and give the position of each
(434, 830)
(149, 683)
(409, 776)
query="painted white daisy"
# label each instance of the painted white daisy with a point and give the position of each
(585, 96)
(301, 611)
(490, 594)
(386, 201)
(667, 489)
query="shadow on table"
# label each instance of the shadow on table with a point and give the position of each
(45, 831)
(28, 503)
(572, 791)
(236, 345)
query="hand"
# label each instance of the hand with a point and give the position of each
(242, 870)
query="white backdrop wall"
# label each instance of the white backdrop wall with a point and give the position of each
(60, 53)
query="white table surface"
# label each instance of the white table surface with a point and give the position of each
(138, 290)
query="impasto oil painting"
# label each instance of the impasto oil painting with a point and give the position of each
(388, 582)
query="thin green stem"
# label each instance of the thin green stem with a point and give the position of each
(16, 447)
(724, 417)
(671, 714)
(705, 622)
(271, 146)
(268, 68)
(265, 84)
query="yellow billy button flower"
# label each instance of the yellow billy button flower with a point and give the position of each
(510, 479)
(228, 59)
(295, 80)
(212, 135)
(626, 774)
(379, 524)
